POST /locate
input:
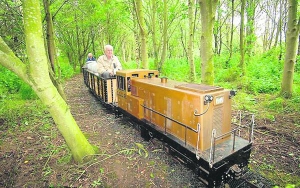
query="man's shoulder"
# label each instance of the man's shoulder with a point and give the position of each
(102, 57)
(115, 58)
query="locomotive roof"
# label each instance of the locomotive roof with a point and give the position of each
(199, 88)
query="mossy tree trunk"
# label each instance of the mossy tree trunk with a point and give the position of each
(242, 42)
(36, 74)
(207, 10)
(55, 72)
(164, 36)
(154, 32)
(292, 33)
(190, 54)
(250, 27)
(143, 33)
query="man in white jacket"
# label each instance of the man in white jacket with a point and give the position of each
(108, 64)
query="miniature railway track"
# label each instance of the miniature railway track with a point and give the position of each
(243, 183)
(250, 179)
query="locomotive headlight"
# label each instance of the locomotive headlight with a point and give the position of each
(208, 99)
(219, 100)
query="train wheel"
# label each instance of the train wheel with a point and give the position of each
(145, 134)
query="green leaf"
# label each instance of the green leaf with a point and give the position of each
(142, 148)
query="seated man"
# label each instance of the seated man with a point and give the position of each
(108, 64)
(90, 57)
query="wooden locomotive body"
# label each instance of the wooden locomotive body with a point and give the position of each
(192, 120)
(175, 107)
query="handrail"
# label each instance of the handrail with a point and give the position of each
(179, 123)
(214, 139)
(196, 131)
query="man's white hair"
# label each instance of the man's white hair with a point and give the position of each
(108, 46)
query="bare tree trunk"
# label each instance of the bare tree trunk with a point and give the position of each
(217, 31)
(292, 35)
(231, 33)
(279, 24)
(266, 36)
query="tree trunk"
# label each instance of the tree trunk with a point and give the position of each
(298, 46)
(165, 36)
(137, 40)
(154, 40)
(217, 31)
(242, 50)
(51, 49)
(36, 74)
(250, 39)
(143, 33)
(292, 34)
(190, 54)
(207, 9)
(279, 24)
(231, 34)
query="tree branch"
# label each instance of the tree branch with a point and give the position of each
(9, 60)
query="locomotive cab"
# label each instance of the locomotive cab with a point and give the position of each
(126, 101)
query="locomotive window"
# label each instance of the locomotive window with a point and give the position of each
(128, 84)
(150, 75)
(121, 82)
(135, 75)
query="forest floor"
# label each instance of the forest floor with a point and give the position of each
(37, 156)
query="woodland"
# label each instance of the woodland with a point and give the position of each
(251, 46)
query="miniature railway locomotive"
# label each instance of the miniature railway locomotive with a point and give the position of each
(192, 120)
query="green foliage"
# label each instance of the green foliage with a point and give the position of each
(244, 101)
(292, 105)
(176, 69)
(26, 92)
(19, 112)
(228, 75)
(297, 66)
(67, 70)
(9, 82)
(263, 72)
(129, 65)
(276, 104)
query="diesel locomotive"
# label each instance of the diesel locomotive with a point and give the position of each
(192, 120)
